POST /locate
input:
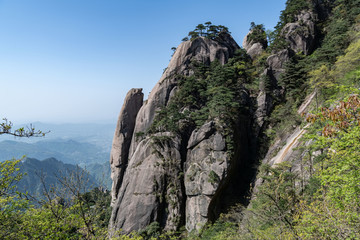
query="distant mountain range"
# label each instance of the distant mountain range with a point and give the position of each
(64, 147)
(101, 172)
(50, 170)
(67, 151)
(97, 134)
(81, 144)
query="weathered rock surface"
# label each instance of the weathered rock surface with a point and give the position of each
(190, 177)
(276, 62)
(153, 186)
(141, 199)
(202, 50)
(206, 167)
(254, 48)
(301, 33)
(122, 138)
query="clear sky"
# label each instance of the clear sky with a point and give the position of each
(71, 61)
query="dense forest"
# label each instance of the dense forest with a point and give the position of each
(313, 196)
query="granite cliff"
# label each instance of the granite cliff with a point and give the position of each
(162, 176)
(189, 176)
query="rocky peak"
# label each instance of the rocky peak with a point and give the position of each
(255, 46)
(147, 168)
(122, 138)
(201, 49)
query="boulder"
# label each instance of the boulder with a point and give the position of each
(301, 34)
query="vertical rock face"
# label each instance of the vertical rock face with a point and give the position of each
(169, 178)
(190, 175)
(203, 50)
(206, 167)
(301, 34)
(122, 138)
(301, 37)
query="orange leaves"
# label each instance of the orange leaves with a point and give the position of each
(328, 131)
(340, 118)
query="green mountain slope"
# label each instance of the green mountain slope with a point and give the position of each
(46, 173)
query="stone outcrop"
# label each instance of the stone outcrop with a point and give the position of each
(301, 34)
(203, 50)
(188, 177)
(254, 48)
(159, 182)
(122, 138)
(205, 168)
(147, 189)
(301, 37)
(276, 62)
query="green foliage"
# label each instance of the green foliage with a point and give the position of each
(282, 120)
(220, 230)
(321, 82)
(257, 34)
(9, 175)
(293, 8)
(98, 205)
(334, 43)
(41, 223)
(349, 61)
(274, 205)
(213, 177)
(344, 15)
(345, 71)
(288, 15)
(211, 93)
(81, 216)
(153, 230)
(294, 79)
(6, 127)
(11, 202)
(207, 30)
(333, 212)
(271, 36)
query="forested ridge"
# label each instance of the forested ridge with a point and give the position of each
(314, 195)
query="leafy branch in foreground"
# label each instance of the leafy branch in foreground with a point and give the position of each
(6, 127)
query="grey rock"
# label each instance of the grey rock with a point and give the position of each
(122, 137)
(151, 188)
(198, 135)
(254, 49)
(301, 34)
(219, 142)
(276, 62)
(196, 216)
(202, 50)
(145, 185)
(263, 102)
(206, 168)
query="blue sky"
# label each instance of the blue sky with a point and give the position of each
(72, 61)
